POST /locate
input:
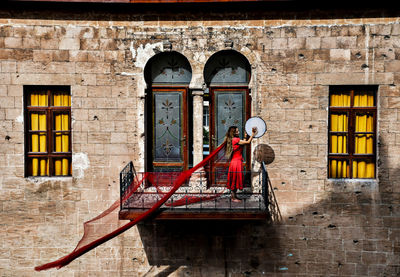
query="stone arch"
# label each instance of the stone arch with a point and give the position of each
(168, 116)
(227, 67)
(168, 68)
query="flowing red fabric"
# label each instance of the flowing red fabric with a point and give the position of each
(107, 225)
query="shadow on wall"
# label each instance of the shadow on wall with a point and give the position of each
(264, 153)
(389, 198)
(211, 248)
(351, 231)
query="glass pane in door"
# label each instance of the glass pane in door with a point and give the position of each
(167, 127)
(229, 111)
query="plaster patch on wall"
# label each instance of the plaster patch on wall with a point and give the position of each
(141, 87)
(133, 51)
(127, 74)
(20, 119)
(199, 57)
(144, 53)
(80, 162)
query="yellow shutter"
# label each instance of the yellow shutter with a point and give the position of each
(364, 143)
(39, 140)
(339, 123)
(62, 139)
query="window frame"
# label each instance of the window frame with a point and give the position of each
(213, 90)
(49, 111)
(152, 164)
(351, 133)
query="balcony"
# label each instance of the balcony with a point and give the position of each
(203, 196)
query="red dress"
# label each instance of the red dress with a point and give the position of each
(235, 172)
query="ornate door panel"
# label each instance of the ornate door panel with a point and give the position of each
(229, 107)
(169, 129)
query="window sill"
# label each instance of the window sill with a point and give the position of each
(37, 179)
(351, 185)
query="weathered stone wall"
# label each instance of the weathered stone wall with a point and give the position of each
(328, 228)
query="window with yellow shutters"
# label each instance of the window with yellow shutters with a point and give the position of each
(352, 132)
(48, 131)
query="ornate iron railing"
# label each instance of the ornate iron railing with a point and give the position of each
(198, 193)
(269, 196)
(126, 177)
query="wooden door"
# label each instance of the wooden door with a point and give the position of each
(229, 107)
(169, 130)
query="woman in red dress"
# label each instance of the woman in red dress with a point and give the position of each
(234, 147)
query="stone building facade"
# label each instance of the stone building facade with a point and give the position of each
(297, 54)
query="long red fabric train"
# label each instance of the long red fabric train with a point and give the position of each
(107, 225)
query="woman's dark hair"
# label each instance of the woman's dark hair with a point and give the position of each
(228, 139)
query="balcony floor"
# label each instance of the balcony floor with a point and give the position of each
(222, 208)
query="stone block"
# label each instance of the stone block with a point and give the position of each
(39, 79)
(12, 42)
(87, 79)
(43, 31)
(116, 115)
(107, 44)
(279, 43)
(31, 43)
(92, 125)
(289, 150)
(305, 31)
(78, 91)
(7, 102)
(313, 43)
(340, 54)
(294, 115)
(392, 66)
(12, 114)
(328, 43)
(42, 56)
(347, 42)
(80, 114)
(78, 56)
(296, 43)
(93, 67)
(49, 43)
(381, 29)
(95, 56)
(286, 196)
(116, 149)
(321, 54)
(6, 31)
(60, 56)
(89, 44)
(372, 258)
(322, 31)
(322, 268)
(8, 66)
(106, 103)
(69, 44)
(353, 257)
(99, 91)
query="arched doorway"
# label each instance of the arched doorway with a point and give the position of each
(227, 74)
(167, 75)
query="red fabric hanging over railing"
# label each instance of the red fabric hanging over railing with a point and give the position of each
(107, 225)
